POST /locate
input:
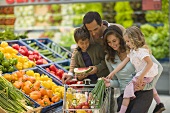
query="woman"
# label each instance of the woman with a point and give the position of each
(116, 52)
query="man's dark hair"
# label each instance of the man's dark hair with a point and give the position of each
(90, 16)
(81, 34)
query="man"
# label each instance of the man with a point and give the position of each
(96, 27)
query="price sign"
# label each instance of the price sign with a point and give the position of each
(151, 4)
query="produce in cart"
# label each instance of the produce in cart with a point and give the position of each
(93, 98)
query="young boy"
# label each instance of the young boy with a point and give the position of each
(89, 55)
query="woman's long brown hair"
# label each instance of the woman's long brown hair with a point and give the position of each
(116, 31)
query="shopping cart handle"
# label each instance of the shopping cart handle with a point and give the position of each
(87, 81)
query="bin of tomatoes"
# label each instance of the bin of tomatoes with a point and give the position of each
(31, 83)
(24, 50)
(55, 70)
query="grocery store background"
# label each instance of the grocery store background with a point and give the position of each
(57, 22)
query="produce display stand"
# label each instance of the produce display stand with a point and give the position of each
(86, 89)
(57, 106)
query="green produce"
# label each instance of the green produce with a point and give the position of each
(7, 65)
(9, 34)
(44, 51)
(124, 14)
(12, 100)
(98, 93)
(56, 48)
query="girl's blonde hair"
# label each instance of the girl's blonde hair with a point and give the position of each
(136, 37)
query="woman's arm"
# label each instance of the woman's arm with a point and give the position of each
(152, 84)
(119, 67)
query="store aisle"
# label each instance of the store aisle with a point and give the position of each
(164, 98)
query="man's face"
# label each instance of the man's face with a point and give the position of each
(94, 29)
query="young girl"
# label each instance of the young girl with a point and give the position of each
(146, 70)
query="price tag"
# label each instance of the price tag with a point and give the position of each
(151, 4)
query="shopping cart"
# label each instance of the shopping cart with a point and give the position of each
(84, 89)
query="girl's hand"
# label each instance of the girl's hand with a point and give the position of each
(107, 82)
(140, 80)
(138, 87)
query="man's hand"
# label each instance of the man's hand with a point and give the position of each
(93, 71)
(81, 76)
(66, 77)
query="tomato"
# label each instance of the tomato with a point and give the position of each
(35, 52)
(59, 73)
(89, 111)
(86, 103)
(78, 107)
(85, 107)
(53, 68)
(15, 46)
(47, 69)
(79, 82)
(52, 72)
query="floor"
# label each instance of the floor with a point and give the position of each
(166, 100)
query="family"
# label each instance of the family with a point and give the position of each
(122, 58)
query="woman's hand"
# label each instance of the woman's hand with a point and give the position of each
(110, 76)
(107, 82)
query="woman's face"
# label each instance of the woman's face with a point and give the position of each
(113, 42)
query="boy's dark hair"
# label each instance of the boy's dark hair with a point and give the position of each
(81, 33)
(90, 16)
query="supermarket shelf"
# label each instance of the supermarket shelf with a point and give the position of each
(42, 28)
(60, 2)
